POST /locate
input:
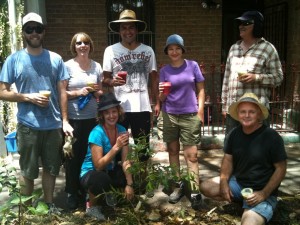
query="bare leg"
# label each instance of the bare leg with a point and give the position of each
(211, 188)
(250, 217)
(92, 199)
(190, 155)
(26, 187)
(48, 183)
(173, 149)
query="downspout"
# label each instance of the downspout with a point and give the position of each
(12, 24)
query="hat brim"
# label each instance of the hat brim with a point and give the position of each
(243, 18)
(109, 106)
(115, 25)
(232, 110)
(34, 22)
(166, 48)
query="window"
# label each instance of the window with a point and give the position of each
(144, 10)
(276, 27)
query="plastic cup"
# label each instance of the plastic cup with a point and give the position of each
(122, 133)
(167, 87)
(123, 75)
(246, 192)
(46, 93)
(90, 84)
(241, 73)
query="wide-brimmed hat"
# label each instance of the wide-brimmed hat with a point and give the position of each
(107, 100)
(247, 97)
(127, 16)
(32, 17)
(174, 39)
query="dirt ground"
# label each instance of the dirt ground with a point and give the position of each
(157, 210)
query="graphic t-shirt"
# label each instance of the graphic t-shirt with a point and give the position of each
(138, 63)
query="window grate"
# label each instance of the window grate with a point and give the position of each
(276, 27)
(144, 10)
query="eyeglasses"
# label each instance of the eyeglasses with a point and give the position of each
(246, 23)
(37, 29)
(84, 42)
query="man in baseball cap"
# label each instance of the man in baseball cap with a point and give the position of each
(255, 18)
(41, 119)
(253, 65)
(32, 17)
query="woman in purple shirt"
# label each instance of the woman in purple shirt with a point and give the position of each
(183, 112)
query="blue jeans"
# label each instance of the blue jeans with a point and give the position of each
(265, 208)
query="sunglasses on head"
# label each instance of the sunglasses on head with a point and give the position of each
(84, 42)
(37, 29)
(246, 23)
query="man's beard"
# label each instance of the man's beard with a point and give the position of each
(35, 43)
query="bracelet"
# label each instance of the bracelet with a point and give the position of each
(130, 185)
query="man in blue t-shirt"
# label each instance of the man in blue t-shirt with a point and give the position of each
(40, 78)
(254, 160)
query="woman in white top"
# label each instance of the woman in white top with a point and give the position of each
(84, 89)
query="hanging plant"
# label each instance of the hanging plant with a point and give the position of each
(4, 32)
(7, 108)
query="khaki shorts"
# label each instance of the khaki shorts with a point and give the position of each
(35, 144)
(185, 127)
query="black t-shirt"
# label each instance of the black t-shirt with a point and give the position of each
(254, 155)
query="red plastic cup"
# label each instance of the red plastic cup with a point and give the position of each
(123, 74)
(167, 87)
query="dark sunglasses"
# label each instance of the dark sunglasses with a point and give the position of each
(84, 42)
(246, 23)
(37, 29)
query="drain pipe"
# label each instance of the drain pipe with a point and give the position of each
(12, 24)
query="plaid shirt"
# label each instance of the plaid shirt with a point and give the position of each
(261, 59)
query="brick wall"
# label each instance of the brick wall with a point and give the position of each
(201, 29)
(65, 18)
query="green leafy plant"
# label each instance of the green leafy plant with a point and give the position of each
(16, 207)
(147, 178)
(7, 108)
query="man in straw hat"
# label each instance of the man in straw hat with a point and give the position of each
(255, 159)
(138, 61)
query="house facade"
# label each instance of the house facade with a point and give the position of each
(208, 32)
(203, 29)
(207, 26)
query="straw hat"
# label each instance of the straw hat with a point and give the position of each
(107, 101)
(247, 97)
(127, 16)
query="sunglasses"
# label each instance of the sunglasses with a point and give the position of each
(37, 29)
(84, 42)
(246, 23)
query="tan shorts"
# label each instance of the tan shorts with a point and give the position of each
(35, 144)
(185, 127)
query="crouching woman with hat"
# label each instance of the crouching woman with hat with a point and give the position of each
(254, 160)
(100, 171)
